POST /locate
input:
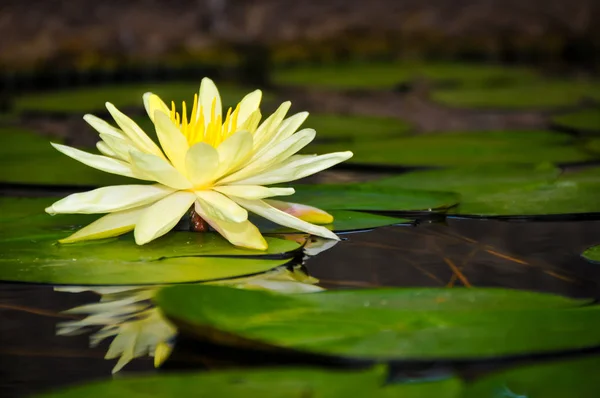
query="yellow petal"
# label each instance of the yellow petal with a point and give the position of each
(220, 206)
(233, 151)
(105, 149)
(201, 164)
(209, 94)
(153, 103)
(286, 129)
(158, 169)
(270, 126)
(294, 168)
(99, 162)
(282, 218)
(248, 105)
(103, 127)
(134, 132)
(253, 191)
(162, 216)
(113, 224)
(276, 154)
(120, 146)
(306, 213)
(109, 199)
(243, 234)
(173, 142)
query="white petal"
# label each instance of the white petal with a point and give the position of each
(295, 168)
(243, 234)
(171, 139)
(162, 216)
(233, 152)
(113, 224)
(288, 127)
(208, 95)
(279, 217)
(306, 213)
(201, 164)
(102, 127)
(269, 127)
(248, 105)
(276, 154)
(110, 199)
(105, 149)
(153, 103)
(220, 206)
(99, 162)
(133, 131)
(253, 191)
(158, 169)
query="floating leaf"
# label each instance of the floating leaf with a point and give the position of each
(331, 127)
(387, 75)
(267, 383)
(367, 197)
(592, 254)
(460, 149)
(539, 94)
(29, 252)
(387, 323)
(343, 221)
(568, 378)
(587, 120)
(28, 158)
(89, 99)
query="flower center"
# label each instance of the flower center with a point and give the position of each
(197, 129)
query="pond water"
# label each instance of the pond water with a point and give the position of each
(539, 256)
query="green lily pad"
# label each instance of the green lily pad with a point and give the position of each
(571, 193)
(387, 75)
(508, 190)
(332, 127)
(592, 254)
(460, 149)
(585, 120)
(343, 221)
(386, 324)
(28, 158)
(29, 252)
(568, 378)
(267, 383)
(90, 99)
(373, 198)
(539, 94)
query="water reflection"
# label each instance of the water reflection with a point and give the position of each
(126, 314)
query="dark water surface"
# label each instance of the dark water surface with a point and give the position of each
(541, 256)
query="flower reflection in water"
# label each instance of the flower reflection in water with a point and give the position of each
(138, 329)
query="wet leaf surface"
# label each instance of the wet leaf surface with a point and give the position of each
(30, 253)
(587, 120)
(461, 149)
(592, 254)
(387, 324)
(559, 379)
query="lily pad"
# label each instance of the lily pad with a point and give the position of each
(267, 383)
(388, 74)
(28, 158)
(29, 252)
(373, 198)
(587, 120)
(592, 254)
(460, 149)
(343, 221)
(539, 94)
(89, 99)
(332, 127)
(385, 324)
(567, 378)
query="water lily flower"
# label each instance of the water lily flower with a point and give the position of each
(219, 164)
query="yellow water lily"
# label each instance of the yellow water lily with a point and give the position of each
(220, 165)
